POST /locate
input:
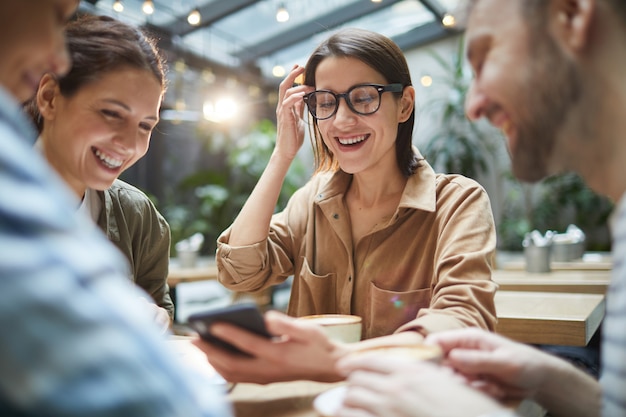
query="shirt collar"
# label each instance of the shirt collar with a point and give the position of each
(419, 192)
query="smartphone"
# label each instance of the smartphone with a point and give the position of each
(245, 315)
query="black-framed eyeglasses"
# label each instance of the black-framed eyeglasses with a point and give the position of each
(362, 99)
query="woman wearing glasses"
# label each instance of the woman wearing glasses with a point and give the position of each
(375, 232)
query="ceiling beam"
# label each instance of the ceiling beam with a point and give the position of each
(210, 12)
(307, 29)
(422, 35)
(435, 8)
(246, 73)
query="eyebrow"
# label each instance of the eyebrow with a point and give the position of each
(125, 107)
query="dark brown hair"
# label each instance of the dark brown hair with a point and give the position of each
(384, 56)
(98, 45)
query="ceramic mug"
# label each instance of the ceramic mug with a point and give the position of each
(344, 328)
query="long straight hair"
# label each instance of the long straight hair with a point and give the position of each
(386, 58)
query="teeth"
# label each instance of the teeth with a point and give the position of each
(352, 141)
(108, 161)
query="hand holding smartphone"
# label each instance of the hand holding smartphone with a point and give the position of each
(245, 315)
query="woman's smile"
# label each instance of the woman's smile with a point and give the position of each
(352, 140)
(108, 161)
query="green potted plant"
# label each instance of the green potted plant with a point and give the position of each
(458, 145)
(215, 196)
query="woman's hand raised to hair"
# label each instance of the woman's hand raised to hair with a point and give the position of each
(289, 115)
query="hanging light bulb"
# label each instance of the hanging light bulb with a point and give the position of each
(448, 20)
(118, 6)
(194, 17)
(282, 15)
(147, 7)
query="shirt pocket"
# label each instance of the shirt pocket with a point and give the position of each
(315, 294)
(391, 309)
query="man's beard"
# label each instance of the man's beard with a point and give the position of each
(551, 92)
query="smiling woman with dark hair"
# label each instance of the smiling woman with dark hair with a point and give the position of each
(94, 123)
(374, 233)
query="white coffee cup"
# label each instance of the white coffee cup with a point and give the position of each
(344, 328)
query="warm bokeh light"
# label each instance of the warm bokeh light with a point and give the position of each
(282, 15)
(180, 66)
(448, 20)
(426, 80)
(180, 105)
(254, 91)
(147, 7)
(278, 71)
(223, 110)
(118, 6)
(208, 76)
(194, 17)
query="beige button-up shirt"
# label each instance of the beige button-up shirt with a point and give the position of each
(427, 268)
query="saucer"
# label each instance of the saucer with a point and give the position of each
(328, 402)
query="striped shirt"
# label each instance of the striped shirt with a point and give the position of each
(74, 340)
(613, 379)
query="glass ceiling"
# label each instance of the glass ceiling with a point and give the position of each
(246, 33)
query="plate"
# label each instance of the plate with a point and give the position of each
(328, 402)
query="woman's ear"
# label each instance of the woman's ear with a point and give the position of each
(407, 103)
(46, 96)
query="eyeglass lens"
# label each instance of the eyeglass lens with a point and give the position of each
(361, 99)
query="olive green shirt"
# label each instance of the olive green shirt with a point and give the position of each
(134, 225)
(427, 268)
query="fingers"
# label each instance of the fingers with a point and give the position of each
(289, 81)
(469, 338)
(290, 95)
(244, 340)
(476, 361)
(231, 366)
(293, 329)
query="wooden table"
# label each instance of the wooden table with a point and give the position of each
(295, 399)
(206, 270)
(591, 261)
(572, 281)
(548, 317)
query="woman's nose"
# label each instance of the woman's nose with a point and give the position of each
(344, 112)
